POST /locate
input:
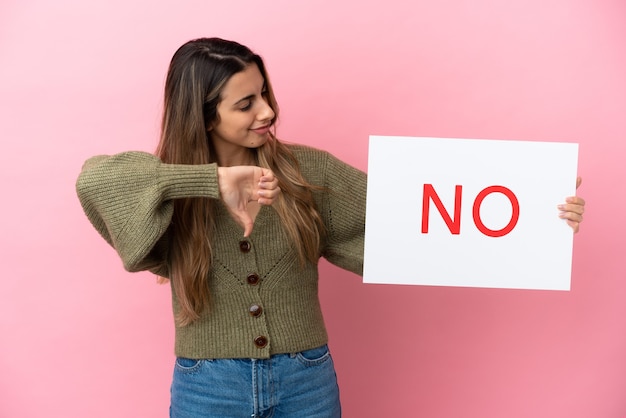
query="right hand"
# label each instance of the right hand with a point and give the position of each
(572, 210)
(240, 185)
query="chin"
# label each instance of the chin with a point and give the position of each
(257, 144)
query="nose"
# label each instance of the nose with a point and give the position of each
(265, 113)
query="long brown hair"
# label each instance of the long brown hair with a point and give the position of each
(197, 74)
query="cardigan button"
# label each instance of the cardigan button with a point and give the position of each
(253, 279)
(245, 246)
(255, 310)
(260, 341)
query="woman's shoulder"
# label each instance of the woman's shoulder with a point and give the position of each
(313, 162)
(320, 166)
(307, 152)
(309, 155)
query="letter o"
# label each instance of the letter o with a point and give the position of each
(514, 216)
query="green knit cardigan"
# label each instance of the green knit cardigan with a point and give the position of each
(262, 301)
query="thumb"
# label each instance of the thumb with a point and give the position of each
(246, 221)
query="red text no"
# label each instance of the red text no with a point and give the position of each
(454, 223)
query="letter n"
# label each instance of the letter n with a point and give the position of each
(453, 225)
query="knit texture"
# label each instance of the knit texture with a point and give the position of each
(128, 199)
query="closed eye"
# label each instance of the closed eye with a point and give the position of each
(247, 106)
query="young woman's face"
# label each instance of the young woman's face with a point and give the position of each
(244, 115)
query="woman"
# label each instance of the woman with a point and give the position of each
(250, 338)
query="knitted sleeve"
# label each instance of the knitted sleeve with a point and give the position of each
(344, 213)
(128, 199)
(341, 204)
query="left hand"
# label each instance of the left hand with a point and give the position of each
(572, 210)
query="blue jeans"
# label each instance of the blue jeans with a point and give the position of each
(302, 385)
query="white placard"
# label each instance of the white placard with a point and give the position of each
(492, 218)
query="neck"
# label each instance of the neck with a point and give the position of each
(242, 156)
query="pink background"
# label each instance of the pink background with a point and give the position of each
(79, 337)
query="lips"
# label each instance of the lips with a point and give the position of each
(262, 130)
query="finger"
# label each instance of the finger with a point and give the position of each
(574, 225)
(268, 178)
(246, 222)
(571, 216)
(579, 180)
(573, 220)
(575, 200)
(268, 184)
(570, 207)
(267, 197)
(267, 175)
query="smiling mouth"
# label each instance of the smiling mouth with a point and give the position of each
(262, 130)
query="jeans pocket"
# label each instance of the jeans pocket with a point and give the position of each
(314, 357)
(188, 365)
